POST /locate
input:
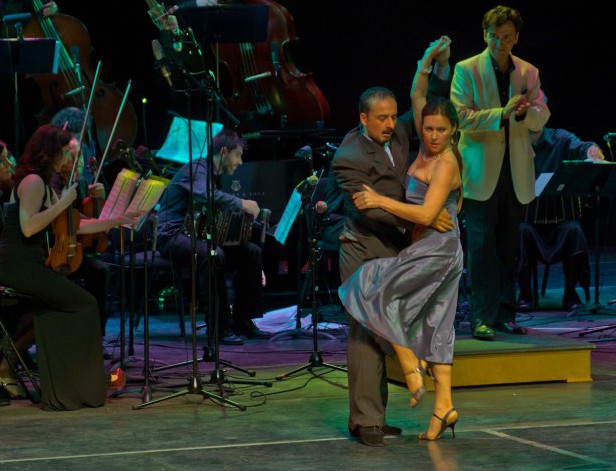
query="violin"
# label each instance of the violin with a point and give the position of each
(66, 254)
(74, 81)
(267, 89)
(91, 207)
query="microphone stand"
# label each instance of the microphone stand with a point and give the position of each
(195, 385)
(316, 358)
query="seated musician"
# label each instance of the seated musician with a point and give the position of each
(93, 273)
(68, 339)
(245, 260)
(551, 232)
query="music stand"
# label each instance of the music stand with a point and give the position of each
(26, 56)
(576, 178)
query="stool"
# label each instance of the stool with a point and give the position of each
(9, 297)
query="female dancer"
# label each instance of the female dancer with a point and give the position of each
(410, 300)
(67, 332)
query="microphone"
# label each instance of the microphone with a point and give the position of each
(304, 153)
(265, 217)
(142, 152)
(321, 208)
(308, 184)
(609, 136)
(159, 55)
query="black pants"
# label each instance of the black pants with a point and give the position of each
(244, 261)
(491, 244)
(553, 243)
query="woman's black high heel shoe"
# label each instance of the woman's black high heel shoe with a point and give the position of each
(444, 425)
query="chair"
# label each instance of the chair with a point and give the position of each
(9, 297)
(157, 266)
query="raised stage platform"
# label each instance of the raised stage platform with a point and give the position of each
(510, 359)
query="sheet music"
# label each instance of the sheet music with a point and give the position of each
(121, 194)
(147, 195)
(541, 182)
(288, 217)
(175, 147)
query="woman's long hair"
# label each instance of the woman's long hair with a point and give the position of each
(42, 151)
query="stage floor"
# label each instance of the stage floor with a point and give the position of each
(300, 423)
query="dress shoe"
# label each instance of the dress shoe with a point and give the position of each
(510, 328)
(483, 332)
(524, 305)
(388, 431)
(229, 338)
(371, 436)
(391, 431)
(573, 307)
(249, 330)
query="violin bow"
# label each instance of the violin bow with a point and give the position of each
(84, 126)
(115, 125)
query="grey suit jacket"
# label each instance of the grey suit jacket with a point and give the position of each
(474, 93)
(371, 233)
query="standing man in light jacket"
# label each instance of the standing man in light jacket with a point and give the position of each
(499, 100)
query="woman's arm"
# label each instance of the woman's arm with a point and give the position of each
(91, 226)
(439, 50)
(443, 179)
(31, 192)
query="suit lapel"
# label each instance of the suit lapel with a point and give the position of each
(490, 87)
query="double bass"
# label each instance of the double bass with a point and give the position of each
(74, 80)
(267, 89)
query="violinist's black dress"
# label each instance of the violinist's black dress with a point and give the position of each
(66, 324)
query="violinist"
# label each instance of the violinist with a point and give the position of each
(96, 275)
(68, 337)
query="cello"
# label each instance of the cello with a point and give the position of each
(73, 83)
(267, 88)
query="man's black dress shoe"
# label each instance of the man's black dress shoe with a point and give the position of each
(390, 430)
(371, 436)
(524, 305)
(251, 331)
(229, 338)
(510, 328)
(483, 332)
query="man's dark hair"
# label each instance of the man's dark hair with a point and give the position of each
(499, 15)
(373, 93)
(229, 139)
